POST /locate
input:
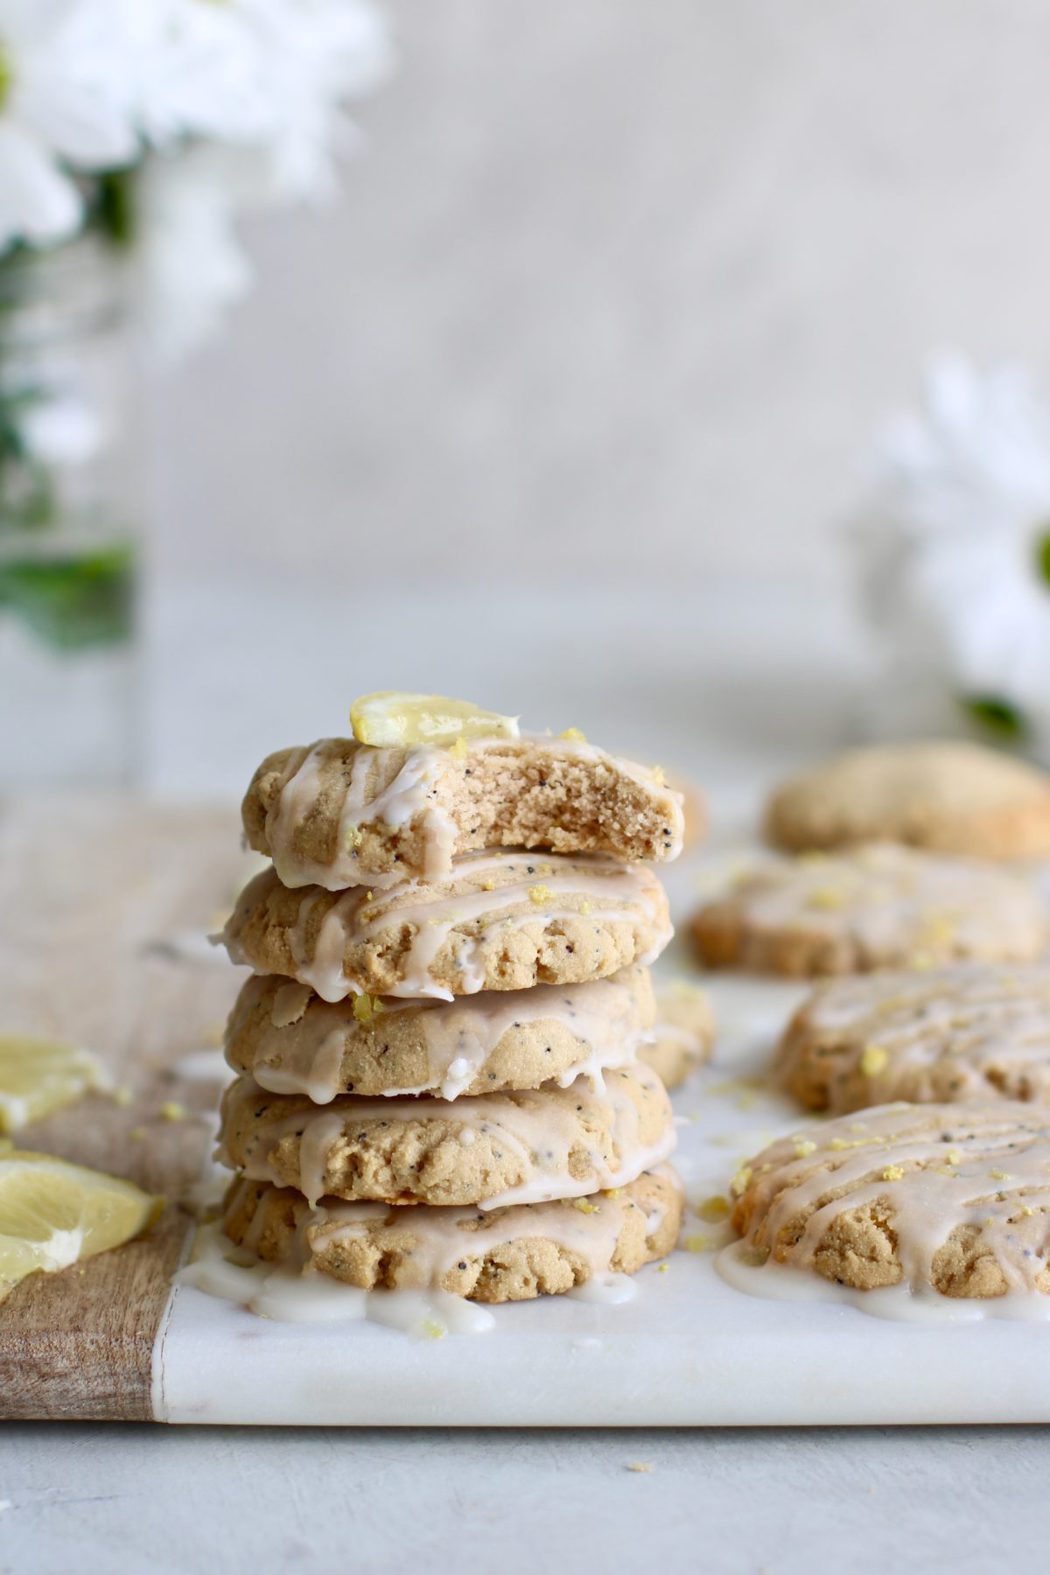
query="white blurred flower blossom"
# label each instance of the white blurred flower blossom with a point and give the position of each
(192, 265)
(954, 546)
(63, 109)
(223, 103)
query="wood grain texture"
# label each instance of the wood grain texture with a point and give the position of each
(92, 896)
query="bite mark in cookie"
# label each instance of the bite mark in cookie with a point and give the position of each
(338, 813)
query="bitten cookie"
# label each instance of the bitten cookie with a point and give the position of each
(495, 1150)
(876, 907)
(953, 1198)
(338, 813)
(497, 922)
(292, 1042)
(684, 1033)
(507, 1255)
(949, 797)
(970, 1032)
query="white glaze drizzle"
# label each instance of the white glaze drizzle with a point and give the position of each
(619, 893)
(541, 1128)
(934, 1168)
(443, 1240)
(892, 899)
(287, 1293)
(609, 1019)
(406, 798)
(979, 1029)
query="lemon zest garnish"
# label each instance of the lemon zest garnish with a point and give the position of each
(172, 1111)
(827, 897)
(539, 894)
(839, 1143)
(122, 1097)
(999, 1175)
(698, 1243)
(893, 1173)
(434, 1331)
(367, 1007)
(713, 1209)
(663, 1268)
(353, 837)
(804, 1147)
(873, 1060)
(573, 735)
(739, 1183)
(459, 750)
(584, 1206)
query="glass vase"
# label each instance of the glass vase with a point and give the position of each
(71, 488)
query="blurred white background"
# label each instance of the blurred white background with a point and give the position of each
(615, 296)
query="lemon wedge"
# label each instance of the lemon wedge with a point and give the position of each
(53, 1214)
(37, 1077)
(392, 718)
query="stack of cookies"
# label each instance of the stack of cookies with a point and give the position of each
(438, 1078)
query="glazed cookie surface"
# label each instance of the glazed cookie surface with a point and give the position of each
(497, 922)
(506, 1255)
(292, 1042)
(683, 1035)
(951, 1198)
(494, 1150)
(950, 797)
(969, 1032)
(873, 907)
(338, 813)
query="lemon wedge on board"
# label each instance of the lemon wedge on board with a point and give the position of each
(392, 718)
(38, 1076)
(53, 1214)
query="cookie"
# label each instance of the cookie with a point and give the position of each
(292, 1042)
(337, 813)
(975, 1031)
(506, 1255)
(683, 1035)
(949, 797)
(499, 921)
(953, 1198)
(495, 1150)
(880, 906)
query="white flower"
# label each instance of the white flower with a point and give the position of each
(193, 268)
(62, 108)
(952, 538)
(313, 56)
(62, 429)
